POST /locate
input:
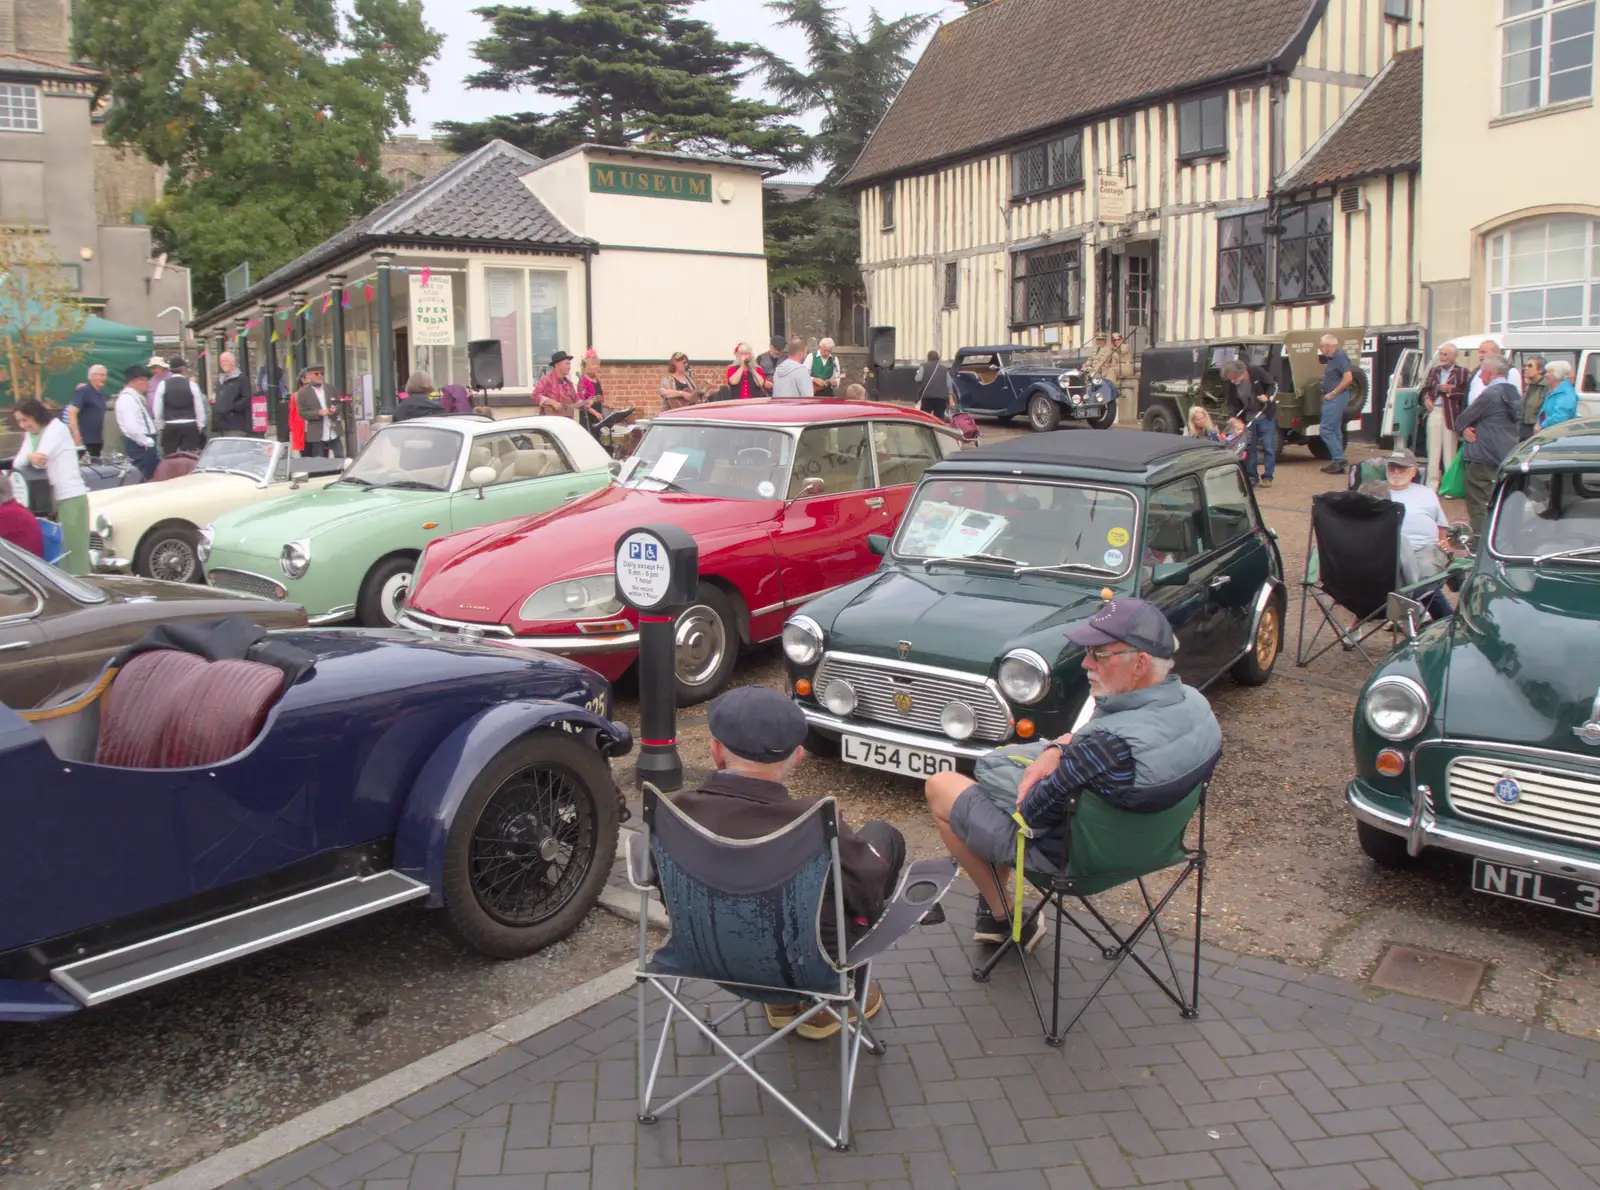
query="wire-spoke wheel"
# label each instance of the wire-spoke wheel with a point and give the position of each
(531, 845)
(170, 554)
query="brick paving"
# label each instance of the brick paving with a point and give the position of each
(1287, 1079)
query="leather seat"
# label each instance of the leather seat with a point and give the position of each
(168, 710)
(178, 463)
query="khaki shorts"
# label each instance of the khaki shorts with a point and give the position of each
(981, 818)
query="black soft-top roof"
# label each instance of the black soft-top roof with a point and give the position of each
(1104, 450)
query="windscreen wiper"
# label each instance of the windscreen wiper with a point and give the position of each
(994, 559)
(1589, 553)
(1082, 567)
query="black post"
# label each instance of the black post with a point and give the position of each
(658, 574)
(385, 333)
(242, 337)
(299, 348)
(278, 406)
(338, 363)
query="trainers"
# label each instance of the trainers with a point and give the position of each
(825, 1025)
(997, 931)
(780, 1016)
(1333, 469)
(1266, 481)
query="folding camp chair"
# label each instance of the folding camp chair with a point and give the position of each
(1354, 562)
(1106, 847)
(746, 914)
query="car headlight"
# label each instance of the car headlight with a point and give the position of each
(102, 526)
(839, 697)
(958, 720)
(802, 640)
(202, 549)
(1024, 676)
(295, 559)
(1396, 708)
(589, 598)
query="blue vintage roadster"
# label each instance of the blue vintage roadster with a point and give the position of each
(1014, 379)
(219, 791)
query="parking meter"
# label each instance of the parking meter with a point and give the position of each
(658, 575)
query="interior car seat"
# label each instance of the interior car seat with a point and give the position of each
(168, 709)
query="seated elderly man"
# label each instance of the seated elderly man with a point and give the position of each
(1149, 743)
(1424, 534)
(755, 743)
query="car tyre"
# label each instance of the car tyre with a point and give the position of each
(1251, 669)
(1158, 419)
(1105, 420)
(1318, 448)
(1382, 848)
(1044, 414)
(707, 636)
(541, 796)
(170, 553)
(383, 591)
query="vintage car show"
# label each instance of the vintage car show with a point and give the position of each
(701, 595)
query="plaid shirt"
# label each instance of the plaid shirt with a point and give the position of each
(1452, 402)
(555, 390)
(1099, 762)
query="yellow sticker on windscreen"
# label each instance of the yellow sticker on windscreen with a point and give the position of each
(1117, 537)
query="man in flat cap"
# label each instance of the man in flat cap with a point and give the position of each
(1149, 743)
(756, 735)
(321, 414)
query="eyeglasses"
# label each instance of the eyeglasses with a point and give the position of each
(1101, 655)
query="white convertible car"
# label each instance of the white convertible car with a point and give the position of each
(152, 529)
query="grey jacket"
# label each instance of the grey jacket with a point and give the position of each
(793, 379)
(1497, 417)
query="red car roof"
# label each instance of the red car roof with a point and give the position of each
(788, 412)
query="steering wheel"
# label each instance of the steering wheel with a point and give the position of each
(753, 456)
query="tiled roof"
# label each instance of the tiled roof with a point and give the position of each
(13, 64)
(1013, 67)
(479, 198)
(1380, 133)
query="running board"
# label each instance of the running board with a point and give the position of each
(119, 972)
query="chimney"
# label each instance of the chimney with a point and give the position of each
(8, 26)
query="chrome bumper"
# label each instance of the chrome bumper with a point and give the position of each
(1421, 829)
(104, 564)
(889, 735)
(347, 612)
(567, 646)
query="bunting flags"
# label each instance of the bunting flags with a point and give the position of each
(369, 290)
(327, 302)
(427, 275)
(346, 300)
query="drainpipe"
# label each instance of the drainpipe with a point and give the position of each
(588, 296)
(1274, 165)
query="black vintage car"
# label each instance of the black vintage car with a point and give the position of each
(957, 644)
(1008, 381)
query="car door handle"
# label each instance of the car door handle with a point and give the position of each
(874, 501)
(1222, 580)
(16, 644)
(570, 497)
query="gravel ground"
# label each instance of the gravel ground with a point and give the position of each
(111, 1098)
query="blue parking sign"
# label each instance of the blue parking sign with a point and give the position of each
(649, 551)
(635, 549)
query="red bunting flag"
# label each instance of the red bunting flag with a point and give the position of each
(369, 291)
(252, 325)
(427, 275)
(345, 301)
(327, 302)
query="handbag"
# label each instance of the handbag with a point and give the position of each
(967, 424)
(1453, 483)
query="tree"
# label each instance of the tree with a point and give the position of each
(268, 114)
(39, 312)
(630, 72)
(850, 78)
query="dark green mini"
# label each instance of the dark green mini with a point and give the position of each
(1481, 733)
(957, 643)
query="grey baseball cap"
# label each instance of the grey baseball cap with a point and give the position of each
(1127, 621)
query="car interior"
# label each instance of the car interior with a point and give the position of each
(516, 456)
(835, 454)
(985, 369)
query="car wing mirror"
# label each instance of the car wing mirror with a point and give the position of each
(482, 477)
(615, 467)
(1169, 574)
(811, 487)
(1406, 614)
(347, 464)
(878, 544)
(297, 478)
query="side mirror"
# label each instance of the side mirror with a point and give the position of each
(1169, 574)
(297, 478)
(615, 467)
(482, 477)
(347, 464)
(1406, 614)
(813, 486)
(878, 544)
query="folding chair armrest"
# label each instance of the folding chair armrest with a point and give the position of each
(921, 886)
(641, 869)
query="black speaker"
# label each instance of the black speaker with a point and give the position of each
(483, 359)
(880, 345)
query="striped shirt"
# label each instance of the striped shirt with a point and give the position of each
(1099, 762)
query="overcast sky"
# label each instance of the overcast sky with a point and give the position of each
(448, 98)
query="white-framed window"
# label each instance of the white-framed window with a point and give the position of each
(19, 108)
(1546, 53)
(1545, 272)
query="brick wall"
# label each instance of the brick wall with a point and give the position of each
(638, 385)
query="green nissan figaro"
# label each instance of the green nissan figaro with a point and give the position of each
(958, 642)
(345, 550)
(1480, 734)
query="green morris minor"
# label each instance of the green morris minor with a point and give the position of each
(1480, 734)
(958, 642)
(346, 550)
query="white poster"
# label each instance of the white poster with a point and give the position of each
(433, 310)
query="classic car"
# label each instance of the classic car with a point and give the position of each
(1008, 381)
(57, 630)
(1480, 733)
(780, 496)
(958, 643)
(1173, 379)
(346, 550)
(153, 529)
(31, 488)
(182, 811)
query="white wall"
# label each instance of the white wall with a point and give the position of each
(650, 304)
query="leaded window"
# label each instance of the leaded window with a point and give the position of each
(1052, 165)
(1047, 285)
(1242, 260)
(1305, 252)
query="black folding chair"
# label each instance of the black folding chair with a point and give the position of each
(746, 915)
(1106, 847)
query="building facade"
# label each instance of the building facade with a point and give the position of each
(1007, 197)
(1513, 248)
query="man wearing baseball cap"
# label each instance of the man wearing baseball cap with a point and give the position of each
(1150, 741)
(756, 734)
(1424, 534)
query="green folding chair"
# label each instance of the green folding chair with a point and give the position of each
(1105, 848)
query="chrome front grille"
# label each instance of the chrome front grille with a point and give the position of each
(922, 693)
(411, 618)
(243, 580)
(97, 543)
(1552, 801)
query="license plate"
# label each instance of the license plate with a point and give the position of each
(1538, 888)
(892, 758)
